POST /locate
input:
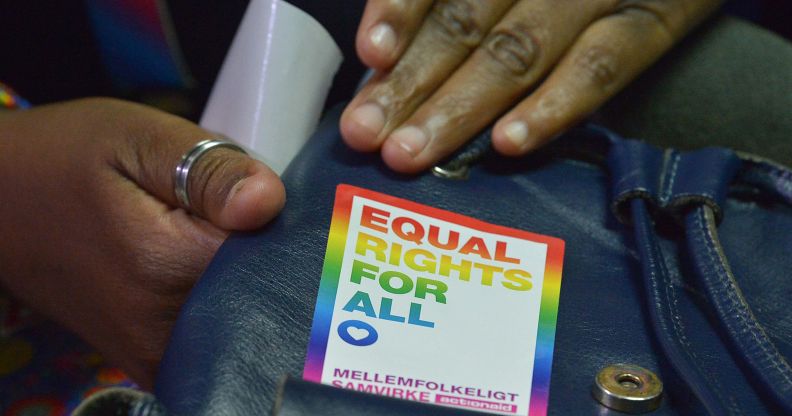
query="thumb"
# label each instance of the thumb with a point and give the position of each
(232, 190)
(226, 187)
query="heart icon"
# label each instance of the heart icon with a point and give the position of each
(357, 333)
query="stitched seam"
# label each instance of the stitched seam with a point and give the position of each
(775, 361)
(743, 313)
(786, 186)
(676, 321)
(667, 156)
(777, 173)
(679, 329)
(684, 200)
(627, 196)
(669, 186)
(731, 401)
(700, 195)
(624, 198)
(770, 168)
(736, 303)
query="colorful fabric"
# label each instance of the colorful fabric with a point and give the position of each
(47, 371)
(44, 369)
(10, 99)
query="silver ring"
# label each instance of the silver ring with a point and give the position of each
(182, 172)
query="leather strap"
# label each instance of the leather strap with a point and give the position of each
(747, 336)
(689, 188)
(661, 296)
(671, 181)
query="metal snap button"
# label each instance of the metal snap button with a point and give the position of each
(628, 388)
(451, 171)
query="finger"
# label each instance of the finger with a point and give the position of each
(518, 52)
(170, 252)
(226, 187)
(608, 55)
(387, 28)
(452, 29)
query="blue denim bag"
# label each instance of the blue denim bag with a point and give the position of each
(680, 263)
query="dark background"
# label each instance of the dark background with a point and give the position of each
(50, 54)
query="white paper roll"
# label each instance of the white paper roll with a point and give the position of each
(270, 91)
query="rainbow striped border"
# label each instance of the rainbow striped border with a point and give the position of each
(328, 286)
(331, 271)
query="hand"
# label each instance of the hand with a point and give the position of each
(92, 234)
(448, 68)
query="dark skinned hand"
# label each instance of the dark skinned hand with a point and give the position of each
(93, 236)
(446, 69)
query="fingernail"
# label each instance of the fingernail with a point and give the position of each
(234, 190)
(383, 37)
(369, 116)
(412, 139)
(517, 133)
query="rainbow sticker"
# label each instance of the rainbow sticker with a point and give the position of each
(424, 304)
